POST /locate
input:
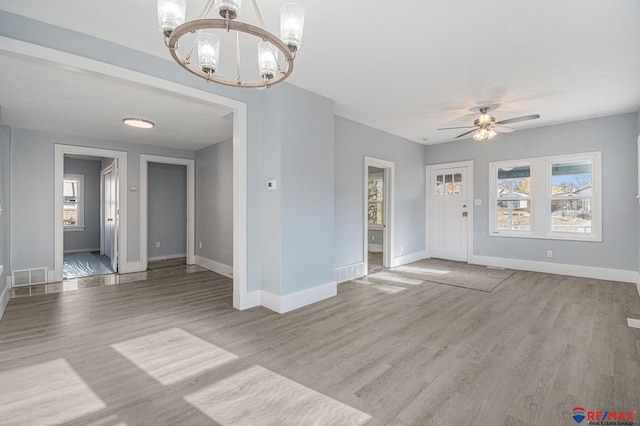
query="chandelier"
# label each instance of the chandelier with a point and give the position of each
(486, 123)
(196, 45)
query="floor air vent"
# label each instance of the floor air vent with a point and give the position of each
(29, 276)
(349, 272)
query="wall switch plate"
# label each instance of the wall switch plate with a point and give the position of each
(549, 253)
(271, 184)
(133, 188)
(157, 244)
(200, 245)
(477, 202)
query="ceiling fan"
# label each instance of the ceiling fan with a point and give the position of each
(485, 126)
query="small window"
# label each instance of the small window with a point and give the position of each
(450, 184)
(73, 202)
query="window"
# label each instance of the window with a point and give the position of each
(450, 184)
(548, 197)
(375, 200)
(514, 198)
(73, 202)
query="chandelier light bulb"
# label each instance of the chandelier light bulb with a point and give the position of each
(231, 6)
(208, 52)
(171, 13)
(291, 25)
(267, 60)
(491, 133)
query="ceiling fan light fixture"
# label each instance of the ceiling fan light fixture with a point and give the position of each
(491, 133)
(484, 119)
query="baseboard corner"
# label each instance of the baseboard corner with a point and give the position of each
(408, 258)
(217, 267)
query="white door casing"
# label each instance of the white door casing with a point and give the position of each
(450, 211)
(110, 215)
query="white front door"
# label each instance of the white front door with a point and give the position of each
(448, 212)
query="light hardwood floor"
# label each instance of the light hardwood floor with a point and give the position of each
(170, 349)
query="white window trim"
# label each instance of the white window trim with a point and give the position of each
(541, 199)
(79, 200)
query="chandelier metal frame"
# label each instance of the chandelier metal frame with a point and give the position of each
(229, 23)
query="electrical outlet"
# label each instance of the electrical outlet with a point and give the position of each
(549, 253)
(401, 249)
(373, 238)
(157, 244)
(200, 245)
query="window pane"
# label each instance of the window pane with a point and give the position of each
(439, 185)
(375, 189)
(571, 216)
(374, 213)
(70, 188)
(70, 214)
(514, 182)
(457, 183)
(514, 215)
(568, 179)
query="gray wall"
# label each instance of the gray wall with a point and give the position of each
(354, 141)
(307, 188)
(214, 202)
(167, 210)
(615, 136)
(375, 236)
(32, 189)
(89, 239)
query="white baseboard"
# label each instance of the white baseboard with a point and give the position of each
(51, 276)
(374, 248)
(217, 267)
(638, 283)
(9, 281)
(88, 250)
(130, 267)
(290, 302)
(409, 258)
(608, 274)
(168, 256)
(251, 299)
(4, 299)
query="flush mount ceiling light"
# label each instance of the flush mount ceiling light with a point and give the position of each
(204, 38)
(138, 122)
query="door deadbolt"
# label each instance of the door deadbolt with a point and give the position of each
(464, 214)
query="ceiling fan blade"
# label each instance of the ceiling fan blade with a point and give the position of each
(470, 131)
(503, 129)
(517, 119)
(463, 127)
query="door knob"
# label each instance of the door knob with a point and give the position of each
(464, 214)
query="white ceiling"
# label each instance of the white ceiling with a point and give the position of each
(425, 64)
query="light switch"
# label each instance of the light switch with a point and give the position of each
(133, 188)
(477, 202)
(271, 184)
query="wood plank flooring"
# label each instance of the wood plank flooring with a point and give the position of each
(380, 352)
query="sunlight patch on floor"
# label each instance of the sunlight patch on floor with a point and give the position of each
(388, 289)
(419, 270)
(388, 276)
(173, 355)
(259, 396)
(635, 323)
(50, 393)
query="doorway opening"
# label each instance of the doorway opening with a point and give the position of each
(378, 214)
(82, 247)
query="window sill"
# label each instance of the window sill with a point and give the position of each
(590, 238)
(73, 228)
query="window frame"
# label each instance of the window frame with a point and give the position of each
(79, 226)
(494, 199)
(541, 197)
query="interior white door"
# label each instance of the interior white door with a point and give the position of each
(448, 212)
(110, 216)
